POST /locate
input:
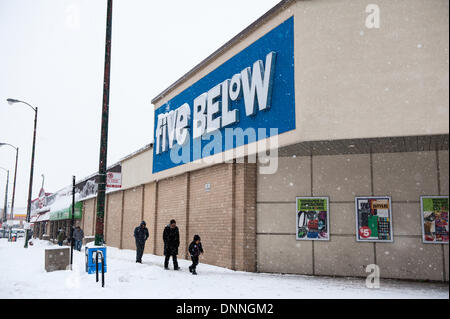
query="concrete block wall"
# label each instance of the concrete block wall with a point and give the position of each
(443, 171)
(277, 249)
(403, 176)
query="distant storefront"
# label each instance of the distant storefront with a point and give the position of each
(62, 219)
(39, 215)
(53, 212)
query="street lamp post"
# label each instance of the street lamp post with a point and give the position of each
(6, 193)
(30, 187)
(11, 212)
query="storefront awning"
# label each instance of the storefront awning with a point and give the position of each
(66, 213)
(43, 217)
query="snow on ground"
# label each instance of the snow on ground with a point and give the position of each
(22, 275)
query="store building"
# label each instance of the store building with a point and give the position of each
(51, 213)
(355, 99)
(40, 213)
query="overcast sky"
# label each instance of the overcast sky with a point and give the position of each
(52, 56)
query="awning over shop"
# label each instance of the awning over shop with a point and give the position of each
(66, 213)
(43, 217)
(39, 215)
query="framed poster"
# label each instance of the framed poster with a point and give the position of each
(373, 219)
(434, 212)
(313, 218)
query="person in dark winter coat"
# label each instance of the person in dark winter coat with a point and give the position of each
(141, 235)
(195, 249)
(171, 237)
(78, 236)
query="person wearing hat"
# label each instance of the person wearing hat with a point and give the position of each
(195, 249)
(141, 235)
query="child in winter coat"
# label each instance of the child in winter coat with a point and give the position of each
(195, 249)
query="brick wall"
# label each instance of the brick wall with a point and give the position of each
(248, 217)
(150, 215)
(172, 204)
(88, 217)
(113, 225)
(132, 211)
(210, 213)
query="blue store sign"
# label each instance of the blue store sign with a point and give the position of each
(251, 92)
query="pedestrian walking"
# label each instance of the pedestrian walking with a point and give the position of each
(141, 235)
(78, 236)
(171, 237)
(195, 249)
(61, 236)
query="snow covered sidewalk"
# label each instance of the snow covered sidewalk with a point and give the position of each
(22, 275)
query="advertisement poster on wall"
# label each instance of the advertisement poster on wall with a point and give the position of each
(313, 218)
(434, 211)
(373, 219)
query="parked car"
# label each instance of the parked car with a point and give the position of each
(18, 232)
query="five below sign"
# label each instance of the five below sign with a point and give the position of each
(212, 108)
(252, 90)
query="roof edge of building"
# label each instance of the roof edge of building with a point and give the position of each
(139, 151)
(280, 6)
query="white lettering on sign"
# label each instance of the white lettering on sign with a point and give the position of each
(183, 119)
(373, 17)
(212, 110)
(199, 115)
(260, 84)
(213, 123)
(229, 117)
(171, 117)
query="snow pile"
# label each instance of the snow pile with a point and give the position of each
(22, 275)
(63, 200)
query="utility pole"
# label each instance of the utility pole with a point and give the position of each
(6, 194)
(99, 240)
(11, 211)
(72, 223)
(30, 186)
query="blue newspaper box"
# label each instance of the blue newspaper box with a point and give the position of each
(90, 259)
